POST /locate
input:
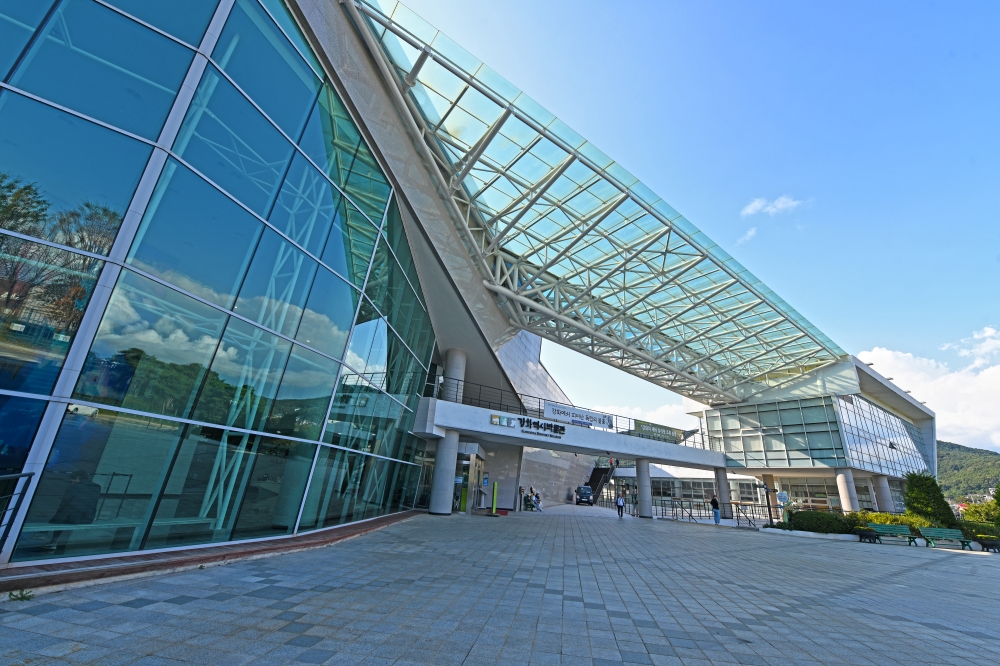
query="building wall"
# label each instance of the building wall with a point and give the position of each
(212, 327)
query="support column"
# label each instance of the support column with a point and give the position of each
(443, 483)
(645, 487)
(722, 490)
(883, 496)
(454, 375)
(848, 493)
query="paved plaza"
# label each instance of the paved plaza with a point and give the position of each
(575, 585)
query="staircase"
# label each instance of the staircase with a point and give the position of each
(598, 478)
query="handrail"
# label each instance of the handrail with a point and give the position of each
(8, 508)
(488, 397)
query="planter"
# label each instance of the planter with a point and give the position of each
(989, 544)
(867, 535)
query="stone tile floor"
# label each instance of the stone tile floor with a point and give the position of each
(574, 585)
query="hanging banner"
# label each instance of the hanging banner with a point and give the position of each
(577, 416)
(660, 432)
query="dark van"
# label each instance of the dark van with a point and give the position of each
(584, 495)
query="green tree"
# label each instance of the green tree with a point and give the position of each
(924, 498)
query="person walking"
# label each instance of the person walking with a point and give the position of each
(620, 502)
(715, 509)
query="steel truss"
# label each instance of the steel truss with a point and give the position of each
(576, 249)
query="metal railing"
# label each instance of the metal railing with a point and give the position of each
(487, 397)
(12, 490)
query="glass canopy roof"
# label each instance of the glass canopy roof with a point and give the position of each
(576, 249)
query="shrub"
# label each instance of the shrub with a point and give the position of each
(987, 512)
(925, 499)
(820, 521)
(911, 520)
(973, 529)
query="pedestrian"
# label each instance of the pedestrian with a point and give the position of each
(538, 503)
(715, 509)
(621, 505)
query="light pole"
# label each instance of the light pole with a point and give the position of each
(767, 498)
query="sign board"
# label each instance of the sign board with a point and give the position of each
(577, 416)
(656, 431)
(486, 480)
(783, 497)
(529, 426)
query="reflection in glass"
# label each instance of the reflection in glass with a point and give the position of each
(224, 137)
(18, 21)
(244, 377)
(258, 57)
(95, 61)
(276, 284)
(335, 145)
(303, 396)
(328, 314)
(195, 237)
(365, 419)
(390, 292)
(350, 244)
(98, 487)
(152, 349)
(280, 13)
(19, 419)
(347, 487)
(43, 294)
(306, 207)
(226, 486)
(77, 177)
(185, 19)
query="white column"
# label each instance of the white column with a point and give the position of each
(443, 483)
(883, 496)
(848, 493)
(645, 487)
(454, 375)
(722, 490)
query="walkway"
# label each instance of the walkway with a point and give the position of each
(575, 585)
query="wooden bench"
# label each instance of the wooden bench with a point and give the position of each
(893, 531)
(933, 534)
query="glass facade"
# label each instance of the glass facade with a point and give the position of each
(257, 338)
(879, 441)
(793, 433)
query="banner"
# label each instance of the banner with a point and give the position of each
(577, 416)
(660, 432)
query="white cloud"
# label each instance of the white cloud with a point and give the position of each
(782, 204)
(963, 399)
(745, 238)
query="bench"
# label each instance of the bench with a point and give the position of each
(933, 534)
(893, 531)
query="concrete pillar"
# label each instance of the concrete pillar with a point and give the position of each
(848, 493)
(454, 375)
(443, 483)
(645, 487)
(722, 490)
(883, 496)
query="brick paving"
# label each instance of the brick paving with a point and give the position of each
(574, 585)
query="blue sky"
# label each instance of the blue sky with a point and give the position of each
(872, 125)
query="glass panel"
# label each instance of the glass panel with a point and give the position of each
(306, 207)
(99, 486)
(334, 143)
(228, 140)
(367, 353)
(226, 486)
(43, 293)
(244, 377)
(274, 493)
(276, 285)
(18, 21)
(366, 419)
(349, 486)
(349, 247)
(280, 13)
(76, 178)
(94, 60)
(254, 52)
(152, 349)
(195, 237)
(185, 19)
(303, 396)
(328, 314)
(19, 418)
